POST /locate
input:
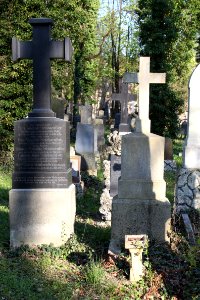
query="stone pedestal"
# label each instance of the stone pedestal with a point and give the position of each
(141, 206)
(42, 199)
(41, 216)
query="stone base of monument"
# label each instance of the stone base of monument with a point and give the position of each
(141, 206)
(142, 216)
(41, 216)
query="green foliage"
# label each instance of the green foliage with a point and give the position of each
(167, 35)
(76, 19)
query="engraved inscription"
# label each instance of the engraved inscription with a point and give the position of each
(40, 147)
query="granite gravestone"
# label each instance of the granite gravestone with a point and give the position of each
(42, 199)
(141, 206)
(86, 114)
(58, 106)
(115, 173)
(86, 141)
(123, 98)
(99, 126)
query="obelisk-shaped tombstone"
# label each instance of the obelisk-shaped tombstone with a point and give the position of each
(42, 199)
(192, 146)
(141, 206)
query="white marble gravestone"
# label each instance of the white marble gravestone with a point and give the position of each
(192, 146)
(188, 181)
(141, 206)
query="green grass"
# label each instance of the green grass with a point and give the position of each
(80, 269)
(5, 186)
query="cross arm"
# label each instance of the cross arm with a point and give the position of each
(61, 49)
(157, 77)
(21, 49)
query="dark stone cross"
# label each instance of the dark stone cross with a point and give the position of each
(123, 98)
(41, 49)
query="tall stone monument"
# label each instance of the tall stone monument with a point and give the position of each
(42, 199)
(141, 206)
(192, 146)
(188, 181)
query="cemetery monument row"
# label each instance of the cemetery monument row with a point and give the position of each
(42, 199)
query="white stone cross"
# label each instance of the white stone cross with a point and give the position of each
(192, 148)
(144, 78)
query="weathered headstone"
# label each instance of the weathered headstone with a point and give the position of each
(115, 173)
(123, 98)
(99, 125)
(141, 206)
(86, 114)
(188, 181)
(86, 141)
(58, 106)
(42, 199)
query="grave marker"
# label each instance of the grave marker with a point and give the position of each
(141, 206)
(115, 173)
(192, 147)
(123, 98)
(42, 199)
(144, 78)
(41, 49)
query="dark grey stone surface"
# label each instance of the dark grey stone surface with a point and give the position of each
(41, 49)
(41, 158)
(86, 139)
(117, 120)
(86, 114)
(115, 173)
